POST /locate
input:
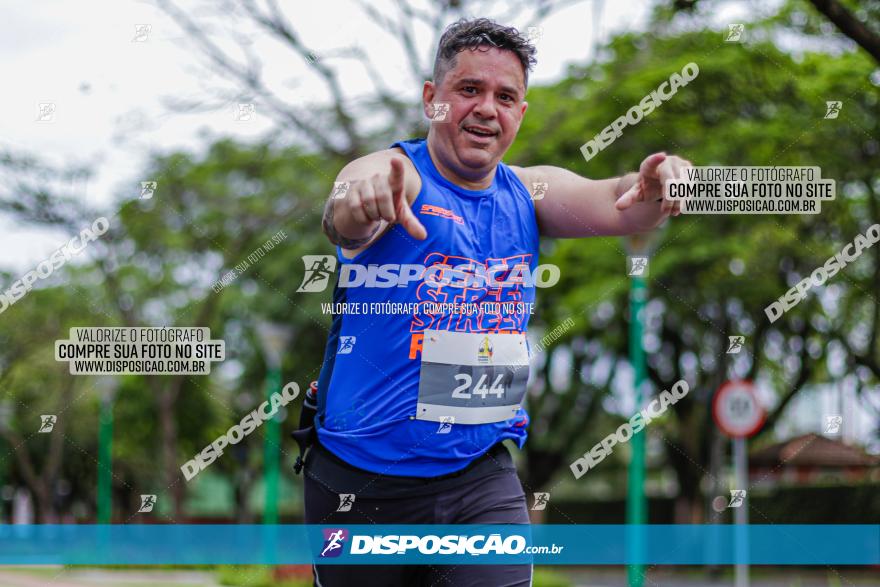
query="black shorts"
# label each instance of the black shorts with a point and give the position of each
(487, 491)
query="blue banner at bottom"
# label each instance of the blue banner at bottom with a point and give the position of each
(436, 544)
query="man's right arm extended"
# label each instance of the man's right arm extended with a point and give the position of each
(381, 189)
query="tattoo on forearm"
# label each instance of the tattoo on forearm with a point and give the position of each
(338, 239)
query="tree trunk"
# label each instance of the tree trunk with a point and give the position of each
(168, 429)
(45, 505)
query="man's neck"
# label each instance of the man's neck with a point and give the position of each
(468, 183)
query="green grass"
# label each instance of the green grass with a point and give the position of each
(164, 584)
(255, 576)
(547, 578)
(35, 571)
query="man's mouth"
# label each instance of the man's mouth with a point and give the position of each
(480, 131)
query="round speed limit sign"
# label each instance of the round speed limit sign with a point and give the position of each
(736, 409)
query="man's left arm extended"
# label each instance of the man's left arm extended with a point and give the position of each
(574, 206)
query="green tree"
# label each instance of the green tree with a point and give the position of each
(711, 276)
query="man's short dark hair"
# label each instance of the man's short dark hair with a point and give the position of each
(481, 32)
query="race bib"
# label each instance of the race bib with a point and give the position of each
(469, 378)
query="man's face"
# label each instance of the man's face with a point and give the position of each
(486, 91)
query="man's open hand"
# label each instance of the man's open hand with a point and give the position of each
(650, 186)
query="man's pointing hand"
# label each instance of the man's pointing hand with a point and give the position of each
(383, 197)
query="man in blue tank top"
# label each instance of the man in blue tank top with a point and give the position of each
(437, 241)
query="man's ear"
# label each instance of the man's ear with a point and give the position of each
(522, 114)
(428, 92)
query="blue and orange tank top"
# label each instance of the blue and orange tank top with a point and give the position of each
(424, 391)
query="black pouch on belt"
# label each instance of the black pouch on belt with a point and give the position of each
(305, 436)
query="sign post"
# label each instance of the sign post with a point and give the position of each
(273, 341)
(636, 506)
(639, 248)
(738, 414)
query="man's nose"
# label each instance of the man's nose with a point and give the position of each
(485, 107)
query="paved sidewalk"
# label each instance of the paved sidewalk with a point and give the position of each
(59, 577)
(761, 577)
(48, 576)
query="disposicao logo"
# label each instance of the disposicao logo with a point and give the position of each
(334, 539)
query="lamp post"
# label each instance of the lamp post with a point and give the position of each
(107, 387)
(5, 420)
(637, 245)
(273, 339)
